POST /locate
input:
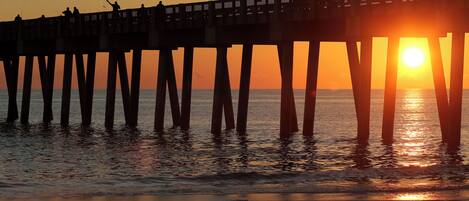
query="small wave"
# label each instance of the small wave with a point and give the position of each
(244, 176)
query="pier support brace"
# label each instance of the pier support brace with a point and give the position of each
(80, 68)
(390, 90)
(66, 90)
(11, 65)
(86, 85)
(187, 88)
(360, 70)
(354, 64)
(46, 71)
(311, 88)
(222, 94)
(244, 86)
(166, 76)
(124, 83)
(130, 95)
(440, 86)
(456, 89)
(28, 76)
(117, 60)
(287, 109)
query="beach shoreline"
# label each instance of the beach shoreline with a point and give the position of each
(410, 195)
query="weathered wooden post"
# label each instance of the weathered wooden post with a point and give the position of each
(311, 88)
(390, 90)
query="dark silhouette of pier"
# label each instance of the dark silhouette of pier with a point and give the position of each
(220, 24)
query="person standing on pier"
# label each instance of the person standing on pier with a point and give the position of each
(18, 18)
(76, 12)
(67, 12)
(160, 13)
(115, 6)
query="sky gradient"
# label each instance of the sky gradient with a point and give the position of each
(333, 68)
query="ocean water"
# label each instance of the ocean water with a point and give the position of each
(47, 160)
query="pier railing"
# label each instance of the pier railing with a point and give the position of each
(195, 15)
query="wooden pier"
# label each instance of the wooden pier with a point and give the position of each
(221, 24)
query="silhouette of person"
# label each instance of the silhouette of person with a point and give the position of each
(115, 6)
(160, 12)
(76, 12)
(141, 12)
(160, 6)
(18, 18)
(67, 12)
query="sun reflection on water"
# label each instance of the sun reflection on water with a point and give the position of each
(415, 196)
(412, 146)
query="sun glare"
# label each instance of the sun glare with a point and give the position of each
(413, 57)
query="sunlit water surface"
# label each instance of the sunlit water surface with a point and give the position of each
(47, 160)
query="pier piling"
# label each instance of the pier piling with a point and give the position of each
(135, 87)
(311, 88)
(294, 119)
(222, 94)
(124, 84)
(187, 87)
(365, 90)
(80, 68)
(46, 71)
(166, 77)
(111, 90)
(456, 88)
(287, 114)
(90, 76)
(354, 65)
(440, 86)
(161, 89)
(390, 90)
(11, 65)
(172, 90)
(28, 76)
(360, 70)
(244, 86)
(66, 90)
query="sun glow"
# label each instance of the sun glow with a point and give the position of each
(413, 57)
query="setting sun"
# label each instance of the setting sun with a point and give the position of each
(413, 57)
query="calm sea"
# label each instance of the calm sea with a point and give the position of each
(46, 160)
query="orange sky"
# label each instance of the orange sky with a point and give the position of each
(333, 70)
